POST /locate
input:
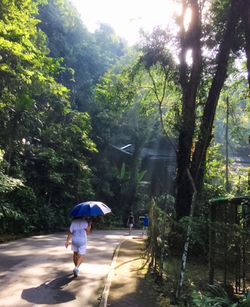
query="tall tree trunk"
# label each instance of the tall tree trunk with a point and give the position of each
(133, 182)
(204, 139)
(189, 40)
(246, 20)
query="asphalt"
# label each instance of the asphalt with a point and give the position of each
(37, 271)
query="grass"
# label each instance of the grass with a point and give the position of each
(196, 278)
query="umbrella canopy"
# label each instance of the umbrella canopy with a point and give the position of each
(90, 209)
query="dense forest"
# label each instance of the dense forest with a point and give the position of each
(160, 127)
(50, 65)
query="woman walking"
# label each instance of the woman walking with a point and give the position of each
(77, 237)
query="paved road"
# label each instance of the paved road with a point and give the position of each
(37, 271)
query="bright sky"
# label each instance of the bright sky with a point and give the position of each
(126, 17)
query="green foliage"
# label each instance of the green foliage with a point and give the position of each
(85, 57)
(161, 223)
(217, 296)
(216, 24)
(124, 118)
(199, 236)
(44, 168)
(236, 91)
(110, 48)
(18, 211)
(214, 185)
(158, 72)
(7, 183)
(55, 156)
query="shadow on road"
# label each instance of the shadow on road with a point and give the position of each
(51, 292)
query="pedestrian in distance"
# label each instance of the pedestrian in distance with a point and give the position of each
(130, 222)
(77, 237)
(145, 225)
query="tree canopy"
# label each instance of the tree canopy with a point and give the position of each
(68, 96)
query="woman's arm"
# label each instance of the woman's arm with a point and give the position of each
(88, 229)
(68, 239)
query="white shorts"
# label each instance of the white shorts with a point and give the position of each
(81, 250)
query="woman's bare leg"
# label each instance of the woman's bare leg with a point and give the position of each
(130, 229)
(75, 258)
(79, 260)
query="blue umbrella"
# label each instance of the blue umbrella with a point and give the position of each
(90, 209)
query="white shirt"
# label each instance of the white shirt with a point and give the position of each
(78, 229)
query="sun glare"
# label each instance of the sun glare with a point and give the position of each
(126, 17)
(187, 18)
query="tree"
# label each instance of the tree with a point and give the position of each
(199, 78)
(45, 143)
(84, 56)
(124, 117)
(192, 157)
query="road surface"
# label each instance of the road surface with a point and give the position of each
(37, 271)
